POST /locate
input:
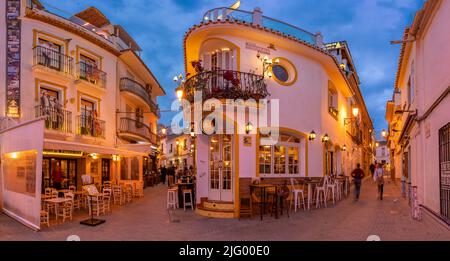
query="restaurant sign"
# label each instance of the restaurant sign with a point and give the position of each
(253, 46)
(13, 35)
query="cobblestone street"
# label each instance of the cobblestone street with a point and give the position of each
(147, 219)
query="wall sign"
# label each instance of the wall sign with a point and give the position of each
(253, 46)
(13, 25)
(247, 141)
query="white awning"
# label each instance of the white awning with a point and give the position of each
(75, 146)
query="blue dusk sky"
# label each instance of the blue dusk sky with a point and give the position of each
(367, 26)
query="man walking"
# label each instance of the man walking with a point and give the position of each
(379, 179)
(358, 175)
(372, 168)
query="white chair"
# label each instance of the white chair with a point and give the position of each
(330, 187)
(172, 199)
(295, 191)
(72, 188)
(117, 195)
(48, 192)
(95, 205)
(45, 216)
(190, 203)
(66, 209)
(107, 194)
(320, 193)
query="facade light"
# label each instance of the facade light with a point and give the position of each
(248, 127)
(355, 112)
(325, 138)
(312, 136)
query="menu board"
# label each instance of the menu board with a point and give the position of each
(13, 29)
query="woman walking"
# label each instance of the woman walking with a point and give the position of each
(378, 176)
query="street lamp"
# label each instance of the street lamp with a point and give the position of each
(344, 148)
(383, 133)
(325, 138)
(355, 112)
(312, 136)
(179, 92)
(248, 127)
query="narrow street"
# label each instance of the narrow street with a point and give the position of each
(147, 219)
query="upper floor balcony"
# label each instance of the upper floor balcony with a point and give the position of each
(135, 88)
(90, 73)
(56, 118)
(88, 125)
(256, 18)
(135, 131)
(226, 84)
(53, 60)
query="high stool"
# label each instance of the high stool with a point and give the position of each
(172, 201)
(190, 203)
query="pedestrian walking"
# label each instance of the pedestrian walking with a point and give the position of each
(358, 175)
(372, 168)
(379, 179)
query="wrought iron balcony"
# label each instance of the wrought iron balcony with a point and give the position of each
(223, 13)
(90, 73)
(133, 130)
(225, 84)
(90, 126)
(52, 59)
(55, 118)
(132, 86)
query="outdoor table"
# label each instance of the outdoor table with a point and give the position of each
(56, 202)
(262, 188)
(310, 184)
(180, 193)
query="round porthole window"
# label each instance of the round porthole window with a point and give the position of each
(280, 73)
(284, 72)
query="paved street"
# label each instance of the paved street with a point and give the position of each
(147, 219)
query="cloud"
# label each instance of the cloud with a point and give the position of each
(367, 25)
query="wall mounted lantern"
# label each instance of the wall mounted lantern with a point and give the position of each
(312, 136)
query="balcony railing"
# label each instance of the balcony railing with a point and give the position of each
(90, 126)
(52, 59)
(132, 86)
(221, 14)
(55, 118)
(90, 73)
(134, 127)
(225, 84)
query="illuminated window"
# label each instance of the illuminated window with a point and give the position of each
(282, 158)
(332, 100)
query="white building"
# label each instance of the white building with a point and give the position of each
(418, 114)
(78, 98)
(318, 91)
(382, 153)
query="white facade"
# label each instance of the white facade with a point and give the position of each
(305, 105)
(106, 125)
(418, 114)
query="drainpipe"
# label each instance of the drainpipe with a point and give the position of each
(257, 16)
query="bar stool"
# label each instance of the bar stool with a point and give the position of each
(172, 199)
(189, 204)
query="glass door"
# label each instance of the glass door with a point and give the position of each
(106, 166)
(221, 168)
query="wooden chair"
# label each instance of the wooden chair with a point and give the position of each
(245, 207)
(65, 211)
(107, 200)
(117, 195)
(45, 215)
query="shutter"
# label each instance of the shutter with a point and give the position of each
(207, 61)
